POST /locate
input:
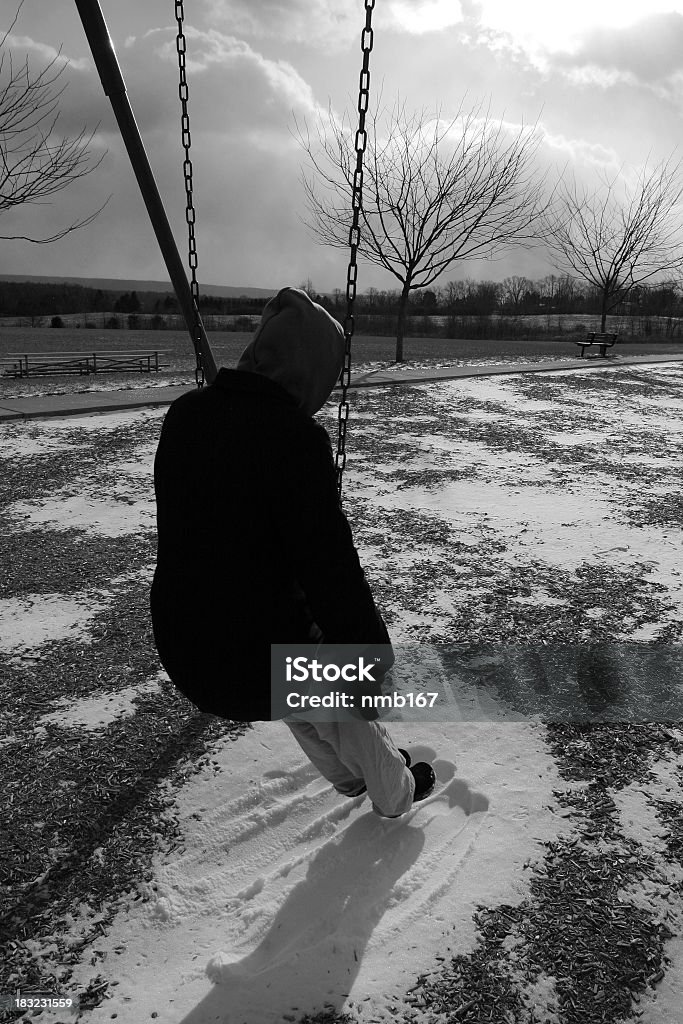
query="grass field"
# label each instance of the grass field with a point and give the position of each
(227, 347)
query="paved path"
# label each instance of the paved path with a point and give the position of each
(36, 407)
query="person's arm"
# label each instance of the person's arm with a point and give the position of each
(316, 533)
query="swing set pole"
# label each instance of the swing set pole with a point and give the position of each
(114, 87)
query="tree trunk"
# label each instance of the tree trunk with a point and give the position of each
(401, 323)
(603, 311)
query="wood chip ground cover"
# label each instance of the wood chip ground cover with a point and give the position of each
(88, 809)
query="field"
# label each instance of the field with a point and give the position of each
(178, 358)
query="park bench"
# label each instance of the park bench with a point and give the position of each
(42, 364)
(603, 341)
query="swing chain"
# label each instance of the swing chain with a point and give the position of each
(190, 214)
(366, 42)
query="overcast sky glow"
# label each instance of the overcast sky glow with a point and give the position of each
(602, 77)
(536, 23)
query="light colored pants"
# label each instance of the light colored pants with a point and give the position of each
(353, 754)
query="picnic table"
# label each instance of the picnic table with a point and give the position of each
(603, 341)
(41, 364)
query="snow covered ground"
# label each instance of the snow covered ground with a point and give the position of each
(287, 897)
(284, 898)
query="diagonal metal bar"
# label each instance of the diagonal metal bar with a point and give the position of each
(114, 87)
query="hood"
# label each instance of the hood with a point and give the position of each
(299, 346)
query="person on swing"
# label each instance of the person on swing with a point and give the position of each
(254, 548)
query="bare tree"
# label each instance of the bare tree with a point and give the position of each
(454, 292)
(307, 286)
(515, 289)
(35, 162)
(548, 288)
(618, 236)
(434, 191)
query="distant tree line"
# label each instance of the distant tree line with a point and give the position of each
(34, 298)
(514, 296)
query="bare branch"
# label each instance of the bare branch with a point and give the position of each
(618, 242)
(36, 161)
(435, 191)
(75, 226)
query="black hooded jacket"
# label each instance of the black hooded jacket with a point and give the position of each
(252, 543)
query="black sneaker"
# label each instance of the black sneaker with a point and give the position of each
(425, 780)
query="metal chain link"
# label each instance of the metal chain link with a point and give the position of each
(190, 215)
(366, 42)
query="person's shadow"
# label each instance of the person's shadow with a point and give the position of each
(315, 944)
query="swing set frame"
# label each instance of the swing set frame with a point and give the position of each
(108, 69)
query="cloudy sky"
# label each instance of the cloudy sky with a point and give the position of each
(603, 78)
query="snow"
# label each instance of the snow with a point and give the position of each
(287, 895)
(284, 896)
(86, 512)
(98, 422)
(112, 515)
(96, 712)
(34, 442)
(559, 517)
(29, 622)
(638, 820)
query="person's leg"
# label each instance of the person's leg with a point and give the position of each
(323, 755)
(368, 750)
(350, 754)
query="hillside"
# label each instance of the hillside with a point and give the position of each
(114, 284)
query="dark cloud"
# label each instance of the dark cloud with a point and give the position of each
(246, 164)
(253, 63)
